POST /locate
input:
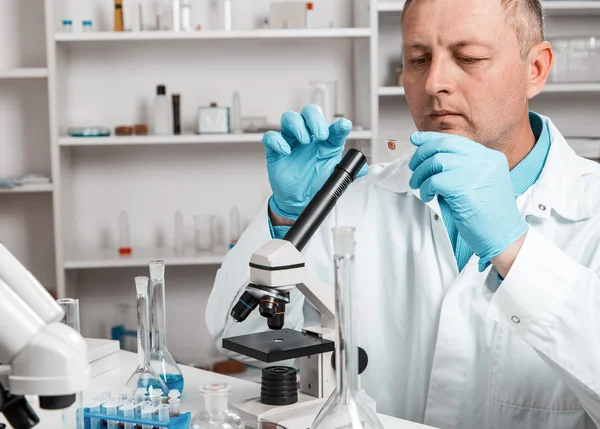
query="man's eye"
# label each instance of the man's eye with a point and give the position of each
(418, 61)
(467, 60)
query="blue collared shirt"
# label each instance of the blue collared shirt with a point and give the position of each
(523, 175)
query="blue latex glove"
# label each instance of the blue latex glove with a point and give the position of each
(475, 182)
(301, 158)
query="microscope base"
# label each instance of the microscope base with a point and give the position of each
(295, 416)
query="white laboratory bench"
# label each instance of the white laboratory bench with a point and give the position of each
(191, 400)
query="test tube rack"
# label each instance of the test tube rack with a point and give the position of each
(181, 422)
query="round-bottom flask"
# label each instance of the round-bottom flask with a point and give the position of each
(216, 414)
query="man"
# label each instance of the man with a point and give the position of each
(477, 260)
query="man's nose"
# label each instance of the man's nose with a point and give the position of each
(439, 79)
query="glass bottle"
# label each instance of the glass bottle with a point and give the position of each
(160, 359)
(144, 376)
(216, 414)
(346, 407)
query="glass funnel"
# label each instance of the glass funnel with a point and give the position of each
(160, 359)
(346, 407)
(144, 376)
(216, 414)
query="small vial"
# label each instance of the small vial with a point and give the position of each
(174, 394)
(309, 15)
(174, 407)
(140, 395)
(147, 416)
(156, 398)
(163, 413)
(126, 394)
(128, 412)
(94, 407)
(105, 394)
(111, 410)
(124, 244)
(87, 26)
(67, 25)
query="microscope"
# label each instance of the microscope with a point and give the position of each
(38, 354)
(275, 270)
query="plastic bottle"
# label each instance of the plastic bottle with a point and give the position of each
(162, 112)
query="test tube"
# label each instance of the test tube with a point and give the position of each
(126, 394)
(174, 407)
(140, 395)
(147, 416)
(124, 243)
(163, 413)
(94, 407)
(128, 410)
(111, 410)
(104, 394)
(156, 398)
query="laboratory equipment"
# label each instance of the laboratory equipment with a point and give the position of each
(309, 15)
(147, 418)
(174, 403)
(124, 243)
(275, 270)
(227, 17)
(213, 119)
(216, 413)
(203, 235)
(236, 113)
(161, 112)
(91, 131)
(186, 15)
(30, 333)
(346, 407)
(118, 15)
(126, 394)
(289, 14)
(128, 411)
(67, 25)
(324, 94)
(147, 415)
(160, 359)
(110, 408)
(176, 99)
(87, 26)
(576, 60)
(219, 243)
(94, 407)
(176, 16)
(262, 425)
(163, 413)
(123, 130)
(138, 20)
(144, 376)
(70, 307)
(156, 398)
(179, 233)
(235, 226)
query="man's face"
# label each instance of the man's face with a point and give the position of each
(463, 71)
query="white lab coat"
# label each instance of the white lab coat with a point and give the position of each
(461, 350)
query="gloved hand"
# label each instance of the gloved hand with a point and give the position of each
(476, 184)
(301, 158)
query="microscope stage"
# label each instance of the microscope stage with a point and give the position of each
(275, 346)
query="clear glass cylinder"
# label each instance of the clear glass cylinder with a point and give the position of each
(346, 407)
(203, 237)
(236, 113)
(216, 414)
(144, 376)
(160, 359)
(71, 308)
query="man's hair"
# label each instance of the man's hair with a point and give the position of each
(526, 17)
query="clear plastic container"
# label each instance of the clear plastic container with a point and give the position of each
(144, 376)
(160, 359)
(346, 407)
(216, 414)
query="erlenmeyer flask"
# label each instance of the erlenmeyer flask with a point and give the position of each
(144, 376)
(160, 359)
(346, 408)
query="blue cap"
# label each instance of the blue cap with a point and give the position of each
(67, 22)
(87, 22)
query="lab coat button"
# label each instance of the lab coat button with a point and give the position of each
(542, 207)
(436, 217)
(515, 319)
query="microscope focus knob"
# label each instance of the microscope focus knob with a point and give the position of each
(363, 360)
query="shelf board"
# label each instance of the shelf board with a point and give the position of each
(88, 259)
(29, 188)
(183, 139)
(390, 6)
(391, 90)
(551, 88)
(312, 33)
(551, 7)
(24, 73)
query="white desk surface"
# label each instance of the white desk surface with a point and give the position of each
(191, 400)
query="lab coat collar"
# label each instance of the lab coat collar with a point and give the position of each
(559, 188)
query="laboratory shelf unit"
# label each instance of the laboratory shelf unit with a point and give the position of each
(90, 259)
(391, 90)
(24, 73)
(317, 33)
(551, 7)
(179, 139)
(29, 188)
(553, 88)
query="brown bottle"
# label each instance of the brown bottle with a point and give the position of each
(118, 15)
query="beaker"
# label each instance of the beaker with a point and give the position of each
(144, 376)
(216, 414)
(160, 359)
(324, 94)
(346, 407)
